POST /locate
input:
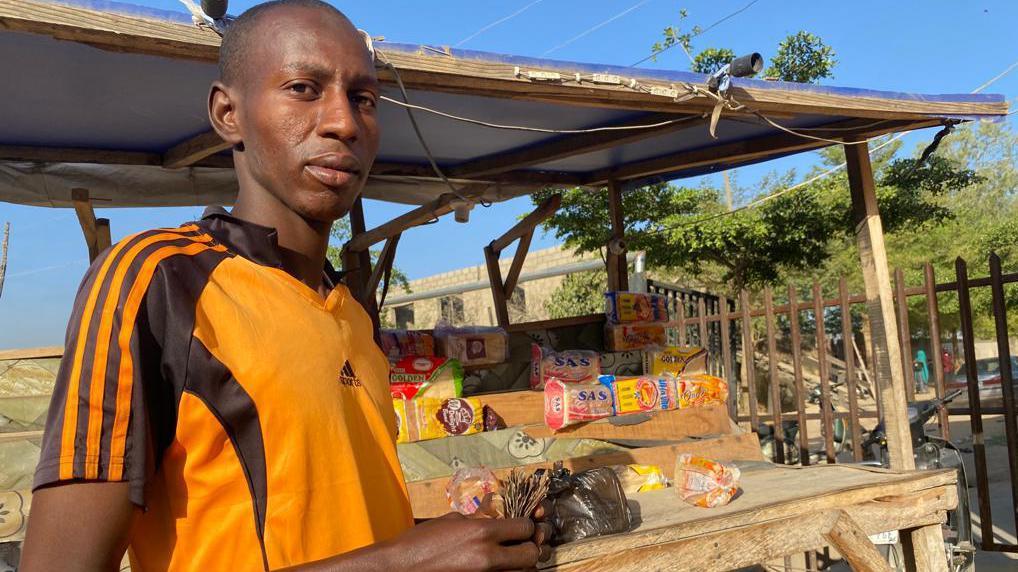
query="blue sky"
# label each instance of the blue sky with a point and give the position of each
(926, 46)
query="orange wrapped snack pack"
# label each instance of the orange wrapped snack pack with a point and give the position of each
(570, 403)
(700, 390)
(704, 482)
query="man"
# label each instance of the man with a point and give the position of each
(220, 405)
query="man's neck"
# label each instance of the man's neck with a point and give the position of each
(303, 244)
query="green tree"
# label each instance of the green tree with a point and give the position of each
(802, 57)
(579, 294)
(712, 59)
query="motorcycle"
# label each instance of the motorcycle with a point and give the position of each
(930, 452)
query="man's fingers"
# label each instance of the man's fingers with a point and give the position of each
(489, 507)
(522, 556)
(545, 553)
(511, 529)
(543, 510)
(542, 533)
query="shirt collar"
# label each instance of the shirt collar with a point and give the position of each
(257, 243)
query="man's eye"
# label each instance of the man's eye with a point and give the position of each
(366, 102)
(300, 88)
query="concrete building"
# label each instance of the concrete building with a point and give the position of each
(463, 297)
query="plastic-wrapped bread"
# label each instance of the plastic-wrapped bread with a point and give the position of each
(704, 482)
(639, 335)
(570, 366)
(701, 390)
(414, 377)
(674, 360)
(398, 344)
(474, 345)
(571, 403)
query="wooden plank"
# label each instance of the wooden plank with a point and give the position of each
(701, 314)
(428, 500)
(800, 389)
(86, 219)
(195, 149)
(32, 353)
(924, 549)
(21, 435)
(878, 501)
(77, 155)
(570, 146)
(569, 322)
(618, 236)
(855, 546)
(538, 178)
(880, 304)
(728, 367)
(904, 334)
(497, 289)
(443, 205)
(848, 338)
(775, 382)
(543, 211)
(681, 307)
(523, 407)
(662, 425)
(933, 312)
(748, 358)
(1006, 377)
(827, 421)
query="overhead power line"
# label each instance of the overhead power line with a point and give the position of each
(699, 33)
(501, 20)
(596, 27)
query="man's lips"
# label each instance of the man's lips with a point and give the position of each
(333, 169)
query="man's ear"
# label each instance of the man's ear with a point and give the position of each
(223, 115)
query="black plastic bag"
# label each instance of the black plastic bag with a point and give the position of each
(587, 504)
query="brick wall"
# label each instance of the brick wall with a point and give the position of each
(478, 308)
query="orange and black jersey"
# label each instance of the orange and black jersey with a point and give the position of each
(250, 416)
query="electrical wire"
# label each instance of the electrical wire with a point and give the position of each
(537, 129)
(497, 22)
(700, 33)
(420, 136)
(817, 177)
(596, 27)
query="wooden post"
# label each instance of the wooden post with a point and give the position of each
(618, 269)
(904, 334)
(357, 265)
(933, 310)
(887, 364)
(3, 255)
(880, 305)
(749, 358)
(86, 218)
(102, 234)
(775, 382)
(826, 417)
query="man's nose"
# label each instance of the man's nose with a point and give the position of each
(338, 119)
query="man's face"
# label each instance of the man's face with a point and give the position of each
(307, 112)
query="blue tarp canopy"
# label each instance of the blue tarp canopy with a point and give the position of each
(111, 97)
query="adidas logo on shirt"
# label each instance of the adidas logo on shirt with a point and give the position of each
(348, 377)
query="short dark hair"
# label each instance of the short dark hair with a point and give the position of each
(236, 39)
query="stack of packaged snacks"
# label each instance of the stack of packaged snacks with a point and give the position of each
(423, 376)
(700, 390)
(473, 346)
(628, 307)
(640, 394)
(399, 344)
(571, 366)
(639, 335)
(427, 418)
(674, 360)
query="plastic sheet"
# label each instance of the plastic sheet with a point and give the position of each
(587, 504)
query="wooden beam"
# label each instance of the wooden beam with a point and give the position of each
(32, 353)
(443, 72)
(383, 268)
(102, 234)
(571, 146)
(880, 305)
(193, 150)
(736, 152)
(855, 546)
(529, 222)
(618, 270)
(97, 156)
(443, 205)
(535, 177)
(86, 218)
(519, 257)
(498, 296)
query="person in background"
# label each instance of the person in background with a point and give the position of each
(922, 370)
(947, 360)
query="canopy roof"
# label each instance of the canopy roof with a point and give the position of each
(107, 96)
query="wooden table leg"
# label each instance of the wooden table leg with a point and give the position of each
(924, 549)
(855, 546)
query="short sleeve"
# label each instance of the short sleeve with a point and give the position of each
(99, 426)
